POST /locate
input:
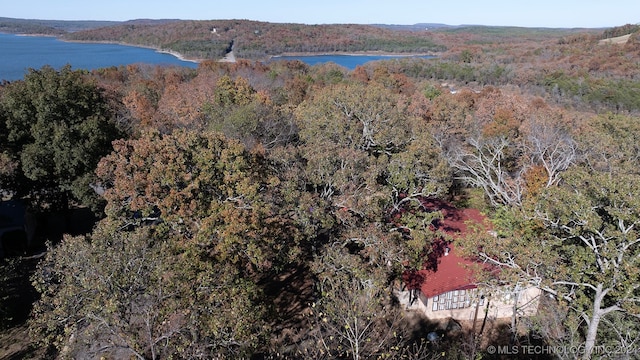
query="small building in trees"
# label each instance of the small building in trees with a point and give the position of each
(446, 286)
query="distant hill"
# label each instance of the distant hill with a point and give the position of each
(148, 21)
(212, 39)
(48, 27)
(415, 27)
(514, 31)
(619, 31)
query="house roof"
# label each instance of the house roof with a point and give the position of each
(444, 270)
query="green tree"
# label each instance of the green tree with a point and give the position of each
(354, 316)
(204, 223)
(58, 125)
(579, 242)
(354, 133)
(228, 96)
(372, 163)
(596, 218)
(370, 160)
(611, 144)
(142, 294)
(208, 189)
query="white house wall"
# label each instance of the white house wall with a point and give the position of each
(498, 307)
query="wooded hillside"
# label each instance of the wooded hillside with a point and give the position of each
(48, 27)
(256, 40)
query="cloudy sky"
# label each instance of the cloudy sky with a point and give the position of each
(540, 13)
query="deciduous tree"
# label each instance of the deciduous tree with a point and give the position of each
(144, 295)
(369, 158)
(596, 217)
(209, 189)
(353, 316)
(578, 242)
(58, 126)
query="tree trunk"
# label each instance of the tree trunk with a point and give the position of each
(592, 330)
(514, 317)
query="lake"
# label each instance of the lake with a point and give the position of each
(18, 53)
(348, 61)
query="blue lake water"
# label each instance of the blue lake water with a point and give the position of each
(348, 61)
(18, 53)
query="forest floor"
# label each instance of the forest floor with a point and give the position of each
(18, 297)
(15, 343)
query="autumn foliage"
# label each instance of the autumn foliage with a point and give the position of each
(269, 208)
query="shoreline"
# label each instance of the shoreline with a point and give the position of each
(158, 50)
(34, 35)
(353, 53)
(177, 55)
(230, 57)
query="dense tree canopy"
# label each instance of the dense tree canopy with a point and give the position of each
(270, 209)
(207, 188)
(141, 294)
(56, 126)
(585, 235)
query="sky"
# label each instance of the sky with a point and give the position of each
(539, 13)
